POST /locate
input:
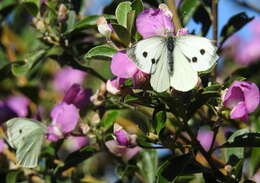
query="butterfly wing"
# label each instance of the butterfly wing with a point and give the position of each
(146, 53)
(184, 77)
(200, 51)
(160, 79)
(26, 136)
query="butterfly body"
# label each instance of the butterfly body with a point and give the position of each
(174, 61)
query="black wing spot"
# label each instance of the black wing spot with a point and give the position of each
(145, 54)
(153, 61)
(194, 59)
(20, 131)
(202, 51)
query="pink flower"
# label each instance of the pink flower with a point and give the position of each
(154, 22)
(19, 104)
(125, 144)
(122, 66)
(72, 144)
(65, 118)
(78, 96)
(2, 145)
(243, 98)
(205, 138)
(245, 50)
(113, 86)
(14, 106)
(66, 77)
(248, 52)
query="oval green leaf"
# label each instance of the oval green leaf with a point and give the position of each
(103, 50)
(122, 11)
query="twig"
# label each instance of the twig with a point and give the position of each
(206, 155)
(215, 29)
(176, 20)
(215, 19)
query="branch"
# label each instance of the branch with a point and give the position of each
(176, 20)
(206, 155)
(215, 19)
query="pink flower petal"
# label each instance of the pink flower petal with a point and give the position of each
(122, 137)
(205, 138)
(115, 148)
(233, 96)
(2, 145)
(152, 22)
(122, 66)
(251, 94)
(72, 144)
(66, 77)
(65, 116)
(19, 104)
(130, 153)
(54, 133)
(113, 86)
(239, 112)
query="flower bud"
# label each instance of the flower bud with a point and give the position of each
(103, 27)
(62, 12)
(166, 10)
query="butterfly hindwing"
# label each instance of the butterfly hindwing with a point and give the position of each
(146, 53)
(26, 136)
(29, 151)
(160, 79)
(200, 51)
(184, 77)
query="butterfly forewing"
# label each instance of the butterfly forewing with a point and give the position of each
(146, 53)
(199, 51)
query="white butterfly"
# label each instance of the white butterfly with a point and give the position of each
(26, 136)
(174, 61)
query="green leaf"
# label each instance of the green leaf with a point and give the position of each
(215, 88)
(109, 118)
(55, 50)
(122, 33)
(130, 20)
(21, 68)
(235, 151)
(75, 158)
(11, 177)
(32, 6)
(202, 15)
(187, 9)
(159, 120)
(138, 6)
(176, 166)
(230, 81)
(242, 138)
(6, 3)
(88, 22)
(254, 160)
(234, 24)
(71, 20)
(122, 11)
(148, 165)
(237, 133)
(103, 50)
